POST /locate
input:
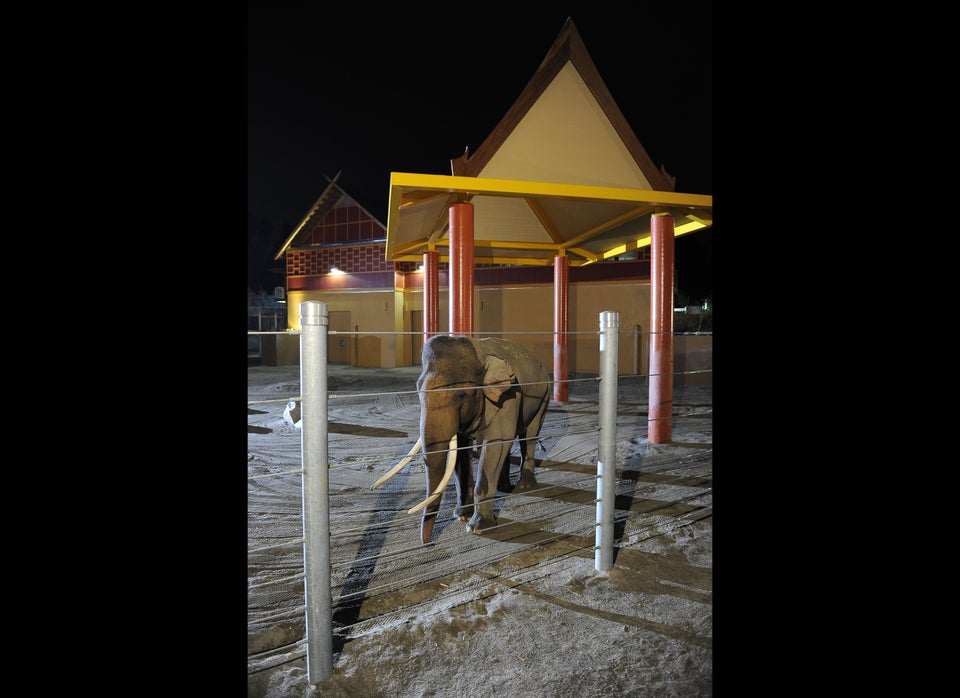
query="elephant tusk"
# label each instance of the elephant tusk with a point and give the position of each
(399, 466)
(451, 462)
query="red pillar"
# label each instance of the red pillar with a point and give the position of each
(431, 294)
(561, 286)
(660, 413)
(461, 268)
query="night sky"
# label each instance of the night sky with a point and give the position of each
(343, 87)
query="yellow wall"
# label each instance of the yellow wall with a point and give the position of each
(523, 314)
(371, 310)
(513, 312)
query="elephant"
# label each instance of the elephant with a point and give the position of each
(491, 390)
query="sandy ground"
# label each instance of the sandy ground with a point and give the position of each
(518, 611)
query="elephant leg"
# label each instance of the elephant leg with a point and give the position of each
(488, 474)
(503, 482)
(528, 448)
(464, 480)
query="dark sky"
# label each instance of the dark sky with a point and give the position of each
(343, 87)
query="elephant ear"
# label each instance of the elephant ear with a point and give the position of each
(497, 377)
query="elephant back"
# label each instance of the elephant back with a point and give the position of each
(526, 366)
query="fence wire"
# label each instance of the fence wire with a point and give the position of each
(376, 554)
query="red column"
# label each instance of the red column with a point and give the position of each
(461, 268)
(431, 294)
(660, 414)
(561, 286)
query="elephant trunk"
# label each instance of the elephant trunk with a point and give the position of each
(440, 467)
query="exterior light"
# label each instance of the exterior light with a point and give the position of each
(336, 272)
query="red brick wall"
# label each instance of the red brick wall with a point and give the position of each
(351, 259)
(344, 224)
(339, 236)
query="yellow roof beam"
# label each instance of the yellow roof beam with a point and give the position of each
(608, 224)
(645, 240)
(545, 220)
(525, 189)
(523, 261)
(407, 190)
(511, 245)
(590, 256)
(406, 247)
(695, 224)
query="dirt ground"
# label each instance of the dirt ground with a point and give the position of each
(518, 611)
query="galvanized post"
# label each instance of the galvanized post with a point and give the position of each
(561, 312)
(316, 490)
(607, 448)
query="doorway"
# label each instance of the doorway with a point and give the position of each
(339, 346)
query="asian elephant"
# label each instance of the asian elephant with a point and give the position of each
(490, 390)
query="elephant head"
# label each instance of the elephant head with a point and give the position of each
(462, 389)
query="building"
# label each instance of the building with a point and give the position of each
(564, 128)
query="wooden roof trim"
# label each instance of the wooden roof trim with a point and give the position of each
(470, 165)
(658, 178)
(328, 191)
(568, 47)
(328, 199)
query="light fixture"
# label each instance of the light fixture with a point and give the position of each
(420, 268)
(336, 272)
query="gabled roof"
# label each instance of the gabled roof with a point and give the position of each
(561, 174)
(566, 103)
(331, 197)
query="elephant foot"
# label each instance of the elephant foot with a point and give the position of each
(463, 512)
(426, 528)
(478, 523)
(527, 481)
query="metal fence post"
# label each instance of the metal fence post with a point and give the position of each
(607, 447)
(316, 490)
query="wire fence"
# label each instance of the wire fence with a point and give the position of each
(378, 566)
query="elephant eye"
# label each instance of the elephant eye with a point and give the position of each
(460, 397)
